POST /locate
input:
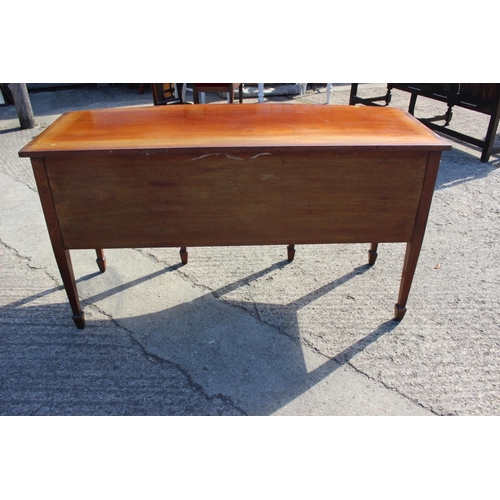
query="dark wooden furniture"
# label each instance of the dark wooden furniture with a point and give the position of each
(180, 176)
(481, 97)
(228, 88)
(165, 93)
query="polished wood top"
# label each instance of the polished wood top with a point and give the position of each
(202, 128)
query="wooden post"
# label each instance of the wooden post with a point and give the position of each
(23, 105)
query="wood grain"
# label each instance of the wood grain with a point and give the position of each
(183, 201)
(162, 129)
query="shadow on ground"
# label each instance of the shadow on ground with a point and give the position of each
(52, 369)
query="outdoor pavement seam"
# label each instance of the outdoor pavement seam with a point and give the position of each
(394, 389)
(147, 354)
(281, 331)
(150, 356)
(28, 260)
(361, 372)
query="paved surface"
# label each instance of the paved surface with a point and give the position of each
(241, 331)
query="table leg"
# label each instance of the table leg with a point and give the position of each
(101, 259)
(413, 101)
(372, 254)
(490, 135)
(388, 96)
(65, 266)
(291, 252)
(413, 247)
(354, 91)
(62, 256)
(409, 266)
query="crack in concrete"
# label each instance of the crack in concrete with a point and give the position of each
(281, 331)
(154, 357)
(393, 389)
(257, 315)
(183, 275)
(308, 344)
(28, 260)
(150, 356)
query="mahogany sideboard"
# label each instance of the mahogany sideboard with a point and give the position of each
(219, 175)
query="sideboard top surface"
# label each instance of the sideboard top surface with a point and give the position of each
(201, 128)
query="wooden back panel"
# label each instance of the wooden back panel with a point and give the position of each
(228, 199)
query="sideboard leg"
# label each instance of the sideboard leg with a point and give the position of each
(184, 255)
(101, 259)
(409, 266)
(372, 254)
(65, 266)
(63, 258)
(79, 320)
(291, 252)
(413, 247)
(399, 312)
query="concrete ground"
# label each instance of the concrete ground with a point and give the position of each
(239, 331)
